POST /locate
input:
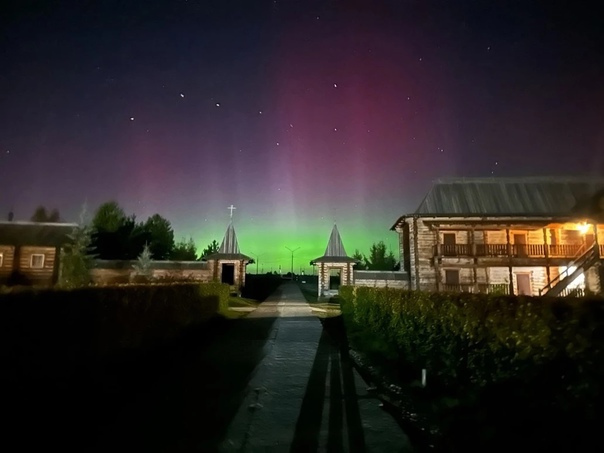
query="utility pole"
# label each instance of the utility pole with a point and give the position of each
(257, 260)
(292, 270)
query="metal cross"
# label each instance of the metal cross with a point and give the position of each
(231, 209)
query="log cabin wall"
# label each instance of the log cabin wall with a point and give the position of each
(119, 272)
(6, 266)
(425, 239)
(118, 276)
(404, 247)
(38, 275)
(556, 244)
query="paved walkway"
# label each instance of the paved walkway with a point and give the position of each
(304, 395)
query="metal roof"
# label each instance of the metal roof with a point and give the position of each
(229, 249)
(531, 196)
(35, 234)
(229, 244)
(335, 252)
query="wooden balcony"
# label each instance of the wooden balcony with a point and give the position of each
(503, 288)
(515, 250)
(484, 288)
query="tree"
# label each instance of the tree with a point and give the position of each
(184, 251)
(125, 243)
(76, 257)
(161, 236)
(378, 259)
(41, 215)
(54, 216)
(359, 256)
(143, 265)
(117, 236)
(210, 249)
(109, 217)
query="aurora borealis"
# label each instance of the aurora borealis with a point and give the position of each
(297, 112)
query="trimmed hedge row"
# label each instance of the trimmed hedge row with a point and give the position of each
(260, 286)
(55, 331)
(477, 340)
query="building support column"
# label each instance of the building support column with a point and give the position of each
(416, 253)
(17, 258)
(437, 259)
(320, 280)
(474, 262)
(546, 252)
(598, 268)
(597, 244)
(56, 267)
(509, 249)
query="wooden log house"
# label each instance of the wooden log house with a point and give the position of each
(30, 251)
(533, 236)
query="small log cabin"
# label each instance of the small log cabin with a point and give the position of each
(30, 251)
(533, 236)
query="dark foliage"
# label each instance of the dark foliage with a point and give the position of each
(126, 242)
(43, 216)
(184, 251)
(259, 287)
(501, 369)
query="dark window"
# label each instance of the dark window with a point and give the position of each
(451, 277)
(449, 244)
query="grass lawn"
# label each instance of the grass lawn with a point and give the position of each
(323, 308)
(240, 307)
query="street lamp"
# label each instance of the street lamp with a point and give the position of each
(292, 270)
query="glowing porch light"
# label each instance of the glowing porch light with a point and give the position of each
(583, 227)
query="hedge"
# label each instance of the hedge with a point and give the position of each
(52, 331)
(478, 339)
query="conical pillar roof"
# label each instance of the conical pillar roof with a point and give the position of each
(334, 252)
(229, 248)
(229, 242)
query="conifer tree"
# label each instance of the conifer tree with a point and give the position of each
(143, 264)
(76, 258)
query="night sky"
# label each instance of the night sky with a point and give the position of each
(299, 113)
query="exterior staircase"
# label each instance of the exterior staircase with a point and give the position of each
(586, 259)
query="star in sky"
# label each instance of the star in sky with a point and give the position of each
(359, 71)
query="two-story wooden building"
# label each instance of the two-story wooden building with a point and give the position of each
(534, 236)
(30, 251)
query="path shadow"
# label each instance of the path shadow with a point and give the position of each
(181, 396)
(343, 417)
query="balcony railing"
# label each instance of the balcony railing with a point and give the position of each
(572, 292)
(502, 288)
(515, 250)
(485, 288)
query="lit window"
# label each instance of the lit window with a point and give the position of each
(37, 261)
(1, 259)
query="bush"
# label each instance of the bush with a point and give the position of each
(481, 339)
(502, 370)
(52, 330)
(259, 287)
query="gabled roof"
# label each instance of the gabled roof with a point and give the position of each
(334, 253)
(509, 197)
(229, 249)
(35, 233)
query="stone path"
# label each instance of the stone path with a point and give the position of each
(304, 396)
